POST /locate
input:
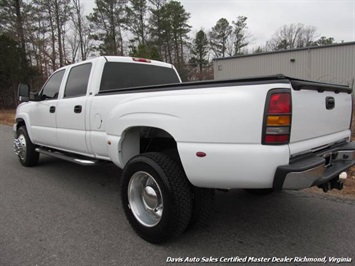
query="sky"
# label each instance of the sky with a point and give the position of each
(332, 18)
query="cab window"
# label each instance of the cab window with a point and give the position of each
(120, 76)
(50, 91)
(78, 81)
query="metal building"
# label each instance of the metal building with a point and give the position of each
(332, 63)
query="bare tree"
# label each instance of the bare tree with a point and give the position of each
(292, 36)
(77, 20)
(80, 40)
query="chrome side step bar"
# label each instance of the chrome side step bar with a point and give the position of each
(82, 161)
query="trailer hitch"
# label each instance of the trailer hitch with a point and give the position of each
(337, 183)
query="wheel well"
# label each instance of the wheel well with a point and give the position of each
(138, 140)
(20, 123)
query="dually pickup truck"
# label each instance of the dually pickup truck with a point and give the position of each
(178, 142)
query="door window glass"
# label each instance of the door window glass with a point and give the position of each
(78, 81)
(51, 89)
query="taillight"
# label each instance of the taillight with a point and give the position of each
(280, 103)
(277, 117)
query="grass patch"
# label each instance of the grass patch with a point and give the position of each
(7, 117)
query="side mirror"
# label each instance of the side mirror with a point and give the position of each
(24, 92)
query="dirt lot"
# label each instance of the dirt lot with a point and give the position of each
(7, 118)
(347, 192)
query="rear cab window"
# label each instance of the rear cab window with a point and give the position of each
(120, 76)
(78, 80)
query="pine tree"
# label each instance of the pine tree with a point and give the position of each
(174, 33)
(219, 37)
(106, 22)
(155, 26)
(199, 51)
(136, 20)
(240, 35)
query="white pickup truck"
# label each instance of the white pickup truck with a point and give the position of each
(177, 142)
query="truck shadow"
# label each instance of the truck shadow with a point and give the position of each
(286, 223)
(104, 174)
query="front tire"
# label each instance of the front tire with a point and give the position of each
(25, 149)
(156, 197)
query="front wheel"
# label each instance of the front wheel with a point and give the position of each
(25, 149)
(156, 197)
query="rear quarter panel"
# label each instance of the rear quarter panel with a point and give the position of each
(214, 115)
(224, 122)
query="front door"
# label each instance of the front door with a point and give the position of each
(43, 113)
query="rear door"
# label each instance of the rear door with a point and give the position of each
(71, 110)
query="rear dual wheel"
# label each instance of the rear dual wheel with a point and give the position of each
(157, 198)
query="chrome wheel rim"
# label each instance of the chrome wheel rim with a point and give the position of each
(22, 146)
(145, 199)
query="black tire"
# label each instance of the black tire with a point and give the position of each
(203, 199)
(203, 202)
(26, 153)
(260, 192)
(156, 197)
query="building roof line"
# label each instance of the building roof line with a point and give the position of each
(286, 51)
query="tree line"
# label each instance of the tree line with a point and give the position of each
(39, 36)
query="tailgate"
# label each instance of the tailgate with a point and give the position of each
(319, 110)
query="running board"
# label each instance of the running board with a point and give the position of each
(82, 161)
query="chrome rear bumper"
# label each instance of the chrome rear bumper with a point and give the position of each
(315, 169)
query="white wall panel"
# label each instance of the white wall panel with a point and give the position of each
(334, 64)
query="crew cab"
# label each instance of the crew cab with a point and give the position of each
(178, 142)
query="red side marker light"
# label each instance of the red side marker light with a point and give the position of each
(200, 154)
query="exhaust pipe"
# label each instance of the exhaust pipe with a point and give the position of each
(337, 183)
